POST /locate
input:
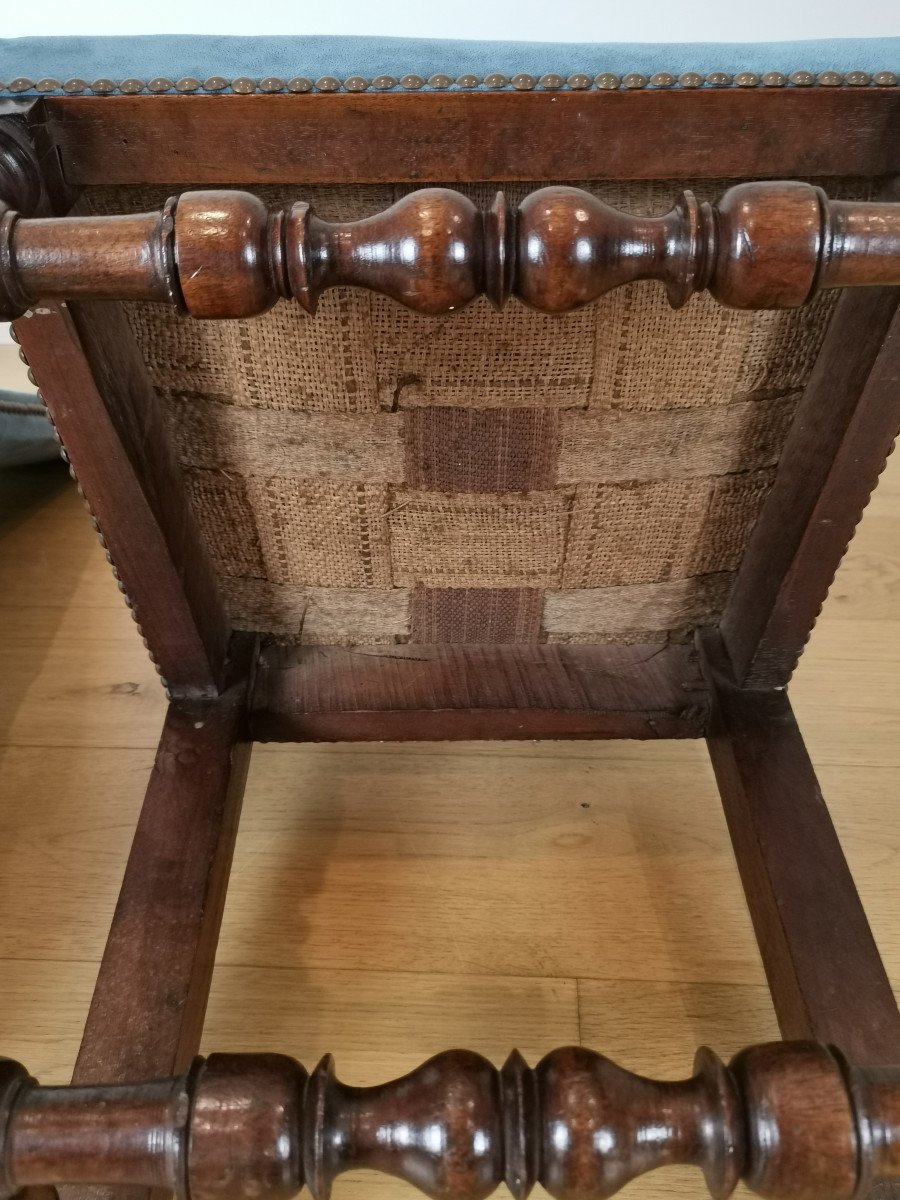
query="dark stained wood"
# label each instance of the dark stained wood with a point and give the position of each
(150, 998)
(147, 1011)
(794, 1120)
(784, 1117)
(402, 693)
(21, 187)
(222, 254)
(31, 178)
(825, 974)
(457, 136)
(121, 258)
(845, 425)
(96, 389)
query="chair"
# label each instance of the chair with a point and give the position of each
(412, 398)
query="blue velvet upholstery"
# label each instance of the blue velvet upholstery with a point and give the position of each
(26, 435)
(173, 57)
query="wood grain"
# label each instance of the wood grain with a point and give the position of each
(457, 136)
(325, 693)
(785, 1116)
(96, 388)
(147, 1011)
(841, 436)
(630, 934)
(224, 254)
(827, 980)
(149, 1001)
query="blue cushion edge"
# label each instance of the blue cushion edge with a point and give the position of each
(25, 437)
(203, 56)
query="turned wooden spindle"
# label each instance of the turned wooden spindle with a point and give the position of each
(791, 1119)
(222, 254)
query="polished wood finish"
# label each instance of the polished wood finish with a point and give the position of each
(454, 136)
(221, 254)
(146, 1015)
(31, 179)
(824, 971)
(148, 1006)
(843, 432)
(785, 1117)
(21, 186)
(398, 693)
(112, 426)
(793, 1120)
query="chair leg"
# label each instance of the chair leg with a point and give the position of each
(825, 973)
(146, 1015)
(824, 970)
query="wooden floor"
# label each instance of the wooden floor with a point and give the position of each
(391, 901)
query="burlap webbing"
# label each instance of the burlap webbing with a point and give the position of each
(618, 611)
(602, 469)
(621, 533)
(322, 534)
(478, 540)
(319, 616)
(626, 445)
(460, 615)
(306, 445)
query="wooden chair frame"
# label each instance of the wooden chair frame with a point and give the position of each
(827, 981)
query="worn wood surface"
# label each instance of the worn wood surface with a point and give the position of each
(784, 1116)
(827, 979)
(112, 426)
(146, 1014)
(590, 887)
(398, 693)
(223, 254)
(458, 136)
(841, 436)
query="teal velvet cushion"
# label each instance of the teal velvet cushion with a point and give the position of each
(81, 65)
(26, 435)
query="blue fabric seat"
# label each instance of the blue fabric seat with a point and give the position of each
(26, 435)
(86, 65)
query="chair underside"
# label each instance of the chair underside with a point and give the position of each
(617, 523)
(374, 475)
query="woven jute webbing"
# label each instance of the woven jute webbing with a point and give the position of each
(373, 475)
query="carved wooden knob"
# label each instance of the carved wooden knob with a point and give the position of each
(571, 248)
(792, 1119)
(224, 258)
(425, 251)
(221, 254)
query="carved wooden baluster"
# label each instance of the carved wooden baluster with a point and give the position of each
(791, 1119)
(221, 254)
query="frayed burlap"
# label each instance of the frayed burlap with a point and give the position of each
(226, 515)
(480, 358)
(503, 540)
(653, 639)
(322, 534)
(330, 366)
(332, 446)
(634, 608)
(620, 444)
(624, 533)
(614, 459)
(319, 616)
(650, 356)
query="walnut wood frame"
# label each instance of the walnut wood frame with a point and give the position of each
(827, 981)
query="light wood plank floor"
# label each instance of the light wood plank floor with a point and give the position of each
(391, 901)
